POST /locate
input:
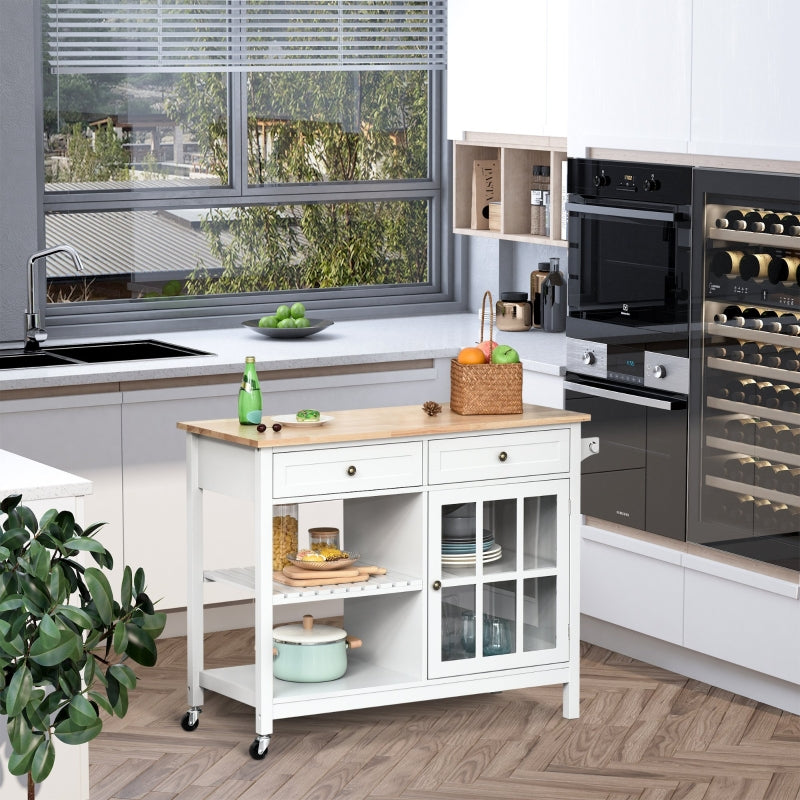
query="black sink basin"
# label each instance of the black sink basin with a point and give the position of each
(141, 350)
(95, 353)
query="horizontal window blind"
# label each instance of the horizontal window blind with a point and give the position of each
(112, 36)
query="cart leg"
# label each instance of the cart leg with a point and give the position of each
(260, 747)
(191, 719)
(194, 583)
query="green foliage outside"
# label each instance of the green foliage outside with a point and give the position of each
(315, 128)
(106, 160)
(64, 637)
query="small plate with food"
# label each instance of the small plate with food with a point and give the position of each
(326, 559)
(304, 417)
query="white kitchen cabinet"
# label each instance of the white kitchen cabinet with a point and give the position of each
(79, 434)
(630, 75)
(521, 475)
(506, 67)
(742, 99)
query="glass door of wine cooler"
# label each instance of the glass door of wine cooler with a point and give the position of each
(745, 421)
(498, 560)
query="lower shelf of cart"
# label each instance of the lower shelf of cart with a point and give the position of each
(362, 676)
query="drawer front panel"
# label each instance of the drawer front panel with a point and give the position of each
(347, 469)
(506, 455)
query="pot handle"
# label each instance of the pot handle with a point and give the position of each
(352, 642)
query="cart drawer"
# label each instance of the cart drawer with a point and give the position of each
(503, 455)
(347, 469)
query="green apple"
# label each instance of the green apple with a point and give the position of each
(297, 310)
(268, 322)
(287, 322)
(302, 322)
(503, 354)
(283, 312)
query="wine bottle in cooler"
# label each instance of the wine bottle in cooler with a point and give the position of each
(754, 265)
(783, 268)
(767, 437)
(250, 394)
(790, 324)
(737, 390)
(755, 220)
(790, 400)
(743, 429)
(740, 469)
(789, 481)
(738, 508)
(789, 225)
(734, 219)
(789, 359)
(766, 474)
(728, 315)
(764, 224)
(789, 440)
(725, 262)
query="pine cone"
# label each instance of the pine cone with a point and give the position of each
(431, 408)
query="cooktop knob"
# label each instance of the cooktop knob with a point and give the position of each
(651, 184)
(659, 371)
(601, 180)
(588, 358)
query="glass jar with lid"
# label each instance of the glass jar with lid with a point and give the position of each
(323, 537)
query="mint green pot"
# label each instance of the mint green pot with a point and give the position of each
(309, 653)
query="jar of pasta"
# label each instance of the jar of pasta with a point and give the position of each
(284, 534)
(323, 538)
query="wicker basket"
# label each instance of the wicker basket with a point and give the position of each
(486, 388)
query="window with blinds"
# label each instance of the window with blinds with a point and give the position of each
(107, 36)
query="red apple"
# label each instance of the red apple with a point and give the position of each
(487, 347)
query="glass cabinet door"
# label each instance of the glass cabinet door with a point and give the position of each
(498, 557)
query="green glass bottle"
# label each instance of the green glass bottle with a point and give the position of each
(250, 394)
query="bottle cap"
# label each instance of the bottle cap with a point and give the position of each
(544, 266)
(250, 360)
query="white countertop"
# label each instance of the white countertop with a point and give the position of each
(346, 342)
(35, 481)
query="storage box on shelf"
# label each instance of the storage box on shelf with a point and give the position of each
(516, 157)
(440, 622)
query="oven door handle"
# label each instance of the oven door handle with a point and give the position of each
(625, 397)
(628, 213)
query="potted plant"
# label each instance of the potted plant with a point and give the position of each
(64, 637)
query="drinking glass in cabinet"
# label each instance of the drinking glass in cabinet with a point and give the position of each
(540, 526)
(499, 618)
(458, 623)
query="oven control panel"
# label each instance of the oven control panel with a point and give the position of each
(587, 358)
(667, 372)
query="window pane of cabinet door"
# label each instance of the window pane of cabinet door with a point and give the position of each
(498, 558)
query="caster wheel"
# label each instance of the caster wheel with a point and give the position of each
(256, 751)
(190, 720)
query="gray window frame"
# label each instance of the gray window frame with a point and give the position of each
(440, 295)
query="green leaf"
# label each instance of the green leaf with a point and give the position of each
(126, 592)
(10, 502)
(141, 647)
(101, 701)
(19, 733)
(81, 711)
(124, 674)
(138, 581)
(153, 624)
(20, 763)
(47, 519)
(94, 528)
(28, 518)
(5, 553)
(101, 593)
(69, 646)
(66, 523)
(120, 638)
(145, 603)
(40, 561)
(43, 760)
(75, 615)
(57, 585)
(49, 631)
(82, 543)
(11, 602)
(14, 538)
(19, 690)
(34, 710)
(89, 669)
(71, 733)
(37, 600)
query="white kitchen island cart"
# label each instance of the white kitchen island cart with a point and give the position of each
(475, 519)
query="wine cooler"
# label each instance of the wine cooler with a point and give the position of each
(744, 460)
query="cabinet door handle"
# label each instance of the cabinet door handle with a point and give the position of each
(351, 470)
(437, 585)
(503, 455)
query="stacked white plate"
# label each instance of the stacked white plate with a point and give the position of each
(493, 553)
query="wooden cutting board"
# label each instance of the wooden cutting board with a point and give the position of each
(290, 571)
(368, 570)
(279, 577)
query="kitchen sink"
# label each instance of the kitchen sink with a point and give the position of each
(95, 353)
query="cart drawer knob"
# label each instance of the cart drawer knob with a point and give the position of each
(503, 455)
(351, 470)
(437, 585)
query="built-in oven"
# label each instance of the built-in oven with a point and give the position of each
(628, 337)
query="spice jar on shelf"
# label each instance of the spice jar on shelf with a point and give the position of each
(319, 538)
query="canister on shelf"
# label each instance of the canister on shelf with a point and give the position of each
(537, 279)
(284, 534)
(319, 538)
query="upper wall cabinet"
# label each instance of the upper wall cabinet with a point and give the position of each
(629, 74)
(742, 103)
(507, 67)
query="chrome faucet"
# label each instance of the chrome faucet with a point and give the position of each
(35, 332)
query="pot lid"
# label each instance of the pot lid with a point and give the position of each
(514, 297)
(307, 632)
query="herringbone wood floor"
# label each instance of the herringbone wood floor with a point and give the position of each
(644, 734)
